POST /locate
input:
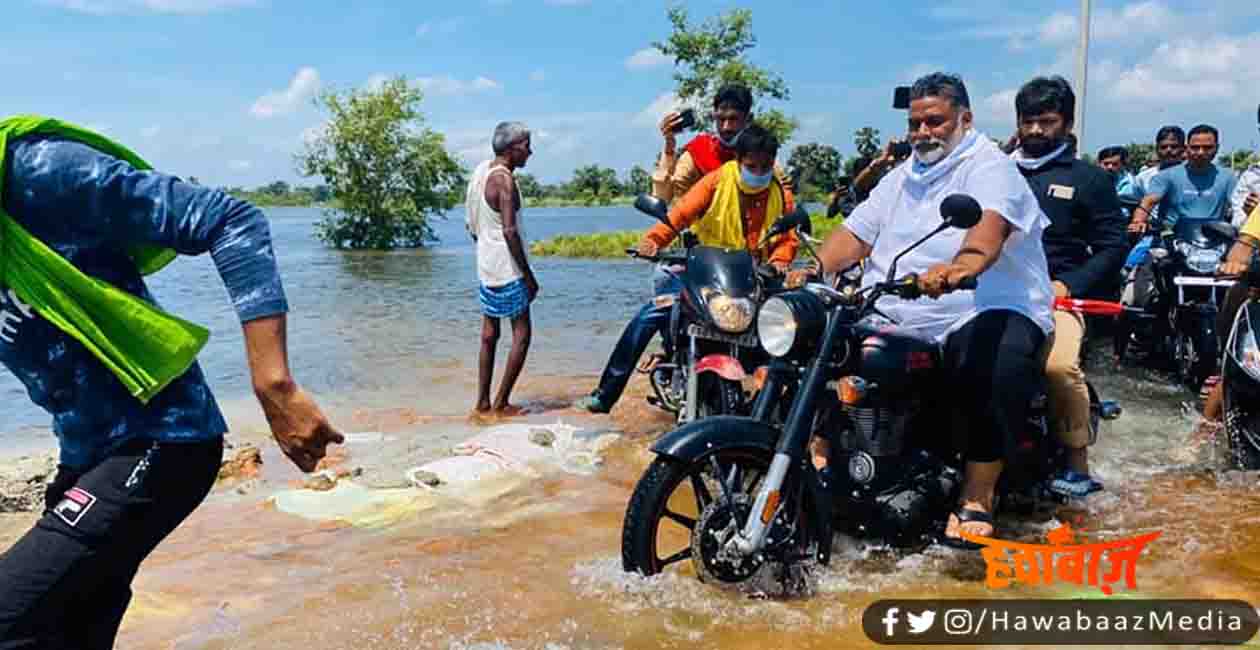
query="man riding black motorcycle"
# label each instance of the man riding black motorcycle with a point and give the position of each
(1234, 265)
(1085, 247)
(732, 208)
(992, 339)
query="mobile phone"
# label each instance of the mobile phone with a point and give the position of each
(901, 97)
(688, 120)
(901, 150)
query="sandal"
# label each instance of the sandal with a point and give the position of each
(966, 516)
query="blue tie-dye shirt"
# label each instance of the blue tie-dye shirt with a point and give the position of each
(89, 207)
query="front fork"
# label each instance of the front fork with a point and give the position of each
(691, 406)
(792, 447)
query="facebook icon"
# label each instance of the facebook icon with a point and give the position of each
(890, 620)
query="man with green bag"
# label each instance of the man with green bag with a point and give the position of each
(82, 221)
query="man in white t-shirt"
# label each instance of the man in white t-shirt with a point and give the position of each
(992, 337)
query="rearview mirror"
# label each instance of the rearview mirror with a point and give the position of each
(960, 211)
(1220, 231)
(652, 206)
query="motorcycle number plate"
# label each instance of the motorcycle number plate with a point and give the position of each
(744, 340)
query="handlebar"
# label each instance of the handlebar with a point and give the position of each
(669, 259)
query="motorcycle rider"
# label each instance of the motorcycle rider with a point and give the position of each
(1247, 193)
(992, 338)
(1115, 161)
(732, 207)
(1235, 264)
(1193, 192)
(1085, 246)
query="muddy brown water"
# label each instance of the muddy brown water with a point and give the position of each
(387, 343)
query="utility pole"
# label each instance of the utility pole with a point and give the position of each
(1082, 78)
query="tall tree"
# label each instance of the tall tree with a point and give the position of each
(640, 181)
(714, 53)
(815, 166)
(528, 185)
(867, 141)
(389, 174)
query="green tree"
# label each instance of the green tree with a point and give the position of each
(815, 166)
(1239, 159)
(867, 141)
(594, 184)
(714, 53)
(278, 188)
(1138, 155)
(640, 181)
(528, 185)
(389, 174)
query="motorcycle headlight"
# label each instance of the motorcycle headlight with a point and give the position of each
(1204, 260)
(790, 323)
(1243, 349)
(734, 315)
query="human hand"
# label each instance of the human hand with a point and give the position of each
(298, 425)
(943, 278)
(531, 285)
(1231, 268)
(796, 278)
(1138, 226)
(1249, 203)
(647, 248)
(1061, 290)
(669, 125)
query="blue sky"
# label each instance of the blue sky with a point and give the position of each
(220, 89)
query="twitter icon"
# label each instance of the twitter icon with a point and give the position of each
(922, 622)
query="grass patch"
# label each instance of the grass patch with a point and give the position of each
(611, 245)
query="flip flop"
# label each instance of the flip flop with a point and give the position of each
(967, 515)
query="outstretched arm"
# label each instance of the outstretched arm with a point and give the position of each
(115, 203)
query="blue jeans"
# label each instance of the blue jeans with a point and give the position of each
(634, 340)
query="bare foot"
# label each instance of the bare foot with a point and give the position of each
(509, 411)
(954, 527)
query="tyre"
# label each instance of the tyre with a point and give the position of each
(1242, 432)
(676, 503)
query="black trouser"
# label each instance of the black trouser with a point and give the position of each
(994, 364)
(67, 582)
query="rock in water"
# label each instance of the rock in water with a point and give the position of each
(245, 464)
(426, 478)
(23, 481)
(542, 437)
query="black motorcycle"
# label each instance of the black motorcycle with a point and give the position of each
(1179, 324)
(1240, 368)
(733, 493)
(711, 344)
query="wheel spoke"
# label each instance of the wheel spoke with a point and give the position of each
(703, 497)
(677, 557)
(682, 520)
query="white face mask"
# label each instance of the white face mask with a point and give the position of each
(943, 147)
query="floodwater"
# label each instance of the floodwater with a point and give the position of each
(388, 342)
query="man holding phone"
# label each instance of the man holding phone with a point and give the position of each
(675, 174)
(1247, 192)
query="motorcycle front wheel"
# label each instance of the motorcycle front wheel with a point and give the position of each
(1242, 430)
(677, 513)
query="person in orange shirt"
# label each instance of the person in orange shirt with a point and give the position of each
(731, 207)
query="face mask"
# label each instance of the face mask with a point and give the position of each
(730, 144)
(754, 182)
(943, 148)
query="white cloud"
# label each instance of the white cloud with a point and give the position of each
(445, 26)
(648, 57)
(1189, 71)
(303, 87)
(652, 113)
(999, 108)
(538, 75)
(447, 85)
(150, 132)
(240, 165)
(1137, 21)
(156, 6)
